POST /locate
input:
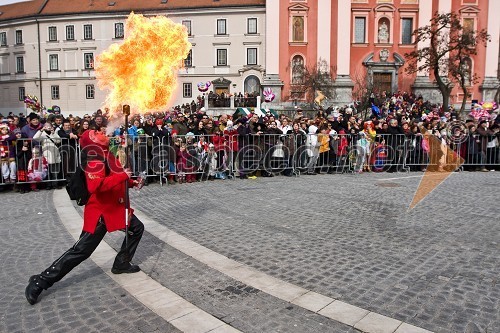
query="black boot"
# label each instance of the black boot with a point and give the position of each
(128, 268)
(33, 290)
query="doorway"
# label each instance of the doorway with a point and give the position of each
(222, 90)
(382, 82)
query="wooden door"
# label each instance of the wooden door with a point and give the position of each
(382, 82)
(220, 90)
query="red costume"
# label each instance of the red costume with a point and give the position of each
(104, 212)
(107, 194)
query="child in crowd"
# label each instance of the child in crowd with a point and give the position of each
(7, 155)
(37, 168)
(182, 160)
(23, 149)
(210, 163)
(362, 149)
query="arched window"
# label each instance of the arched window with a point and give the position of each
(297, 70)
(252, 85)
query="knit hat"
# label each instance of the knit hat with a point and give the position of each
(16, 131)
(159, 122)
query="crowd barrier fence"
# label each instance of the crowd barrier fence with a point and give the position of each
(201, 157)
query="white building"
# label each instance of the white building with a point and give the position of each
(47, 48)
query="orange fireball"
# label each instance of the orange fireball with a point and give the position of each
(142, 71)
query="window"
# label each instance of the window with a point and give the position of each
(187, 90)
(119, 31)
(88, 59)
(3, 39)
(187, 24)
(87, 32)
(252, 26)
(221, 27)
(406, 30)
(22, 93)
(360, 30)
(221, 57)
(90, 91)
(52, 34)
(252, 84)
(19, 37)
(54, 92)
(251, 56)
(53, 62)
(19, 65)
(70, 32)
(188, 62)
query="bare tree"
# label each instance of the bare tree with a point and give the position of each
(363, 90)
(311, 79)
(449, 45)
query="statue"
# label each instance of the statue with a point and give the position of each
(466, 72)
(297, 70)
(383, 33)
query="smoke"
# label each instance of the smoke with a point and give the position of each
(114, 122)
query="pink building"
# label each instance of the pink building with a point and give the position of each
(368, 39)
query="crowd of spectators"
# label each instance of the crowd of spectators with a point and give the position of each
(187, 145)
(223, 100)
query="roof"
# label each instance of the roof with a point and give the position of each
(65, 7)
(21, 9)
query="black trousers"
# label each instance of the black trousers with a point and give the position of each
(86, 245)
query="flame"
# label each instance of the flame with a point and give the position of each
(142, 71)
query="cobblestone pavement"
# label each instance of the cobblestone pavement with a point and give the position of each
(345, 236)
(87, 300)
(350, 237)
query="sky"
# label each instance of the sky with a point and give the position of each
(6, 2)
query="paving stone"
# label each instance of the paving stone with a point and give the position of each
(348, 239)
(337, 235)
(74, 304)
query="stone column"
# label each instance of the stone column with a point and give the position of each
(343, 84)
(491, 82)
(422, 85)
(271, 78)
(324, 30)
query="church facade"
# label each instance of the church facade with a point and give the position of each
(364, 42)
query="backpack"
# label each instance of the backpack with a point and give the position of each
(77, 183)
(77, 187)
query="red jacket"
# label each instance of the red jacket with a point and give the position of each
(219, 142)
(231, 139)
(107, 197)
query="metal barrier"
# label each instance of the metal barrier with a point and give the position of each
(39, 160)
(191, 158)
